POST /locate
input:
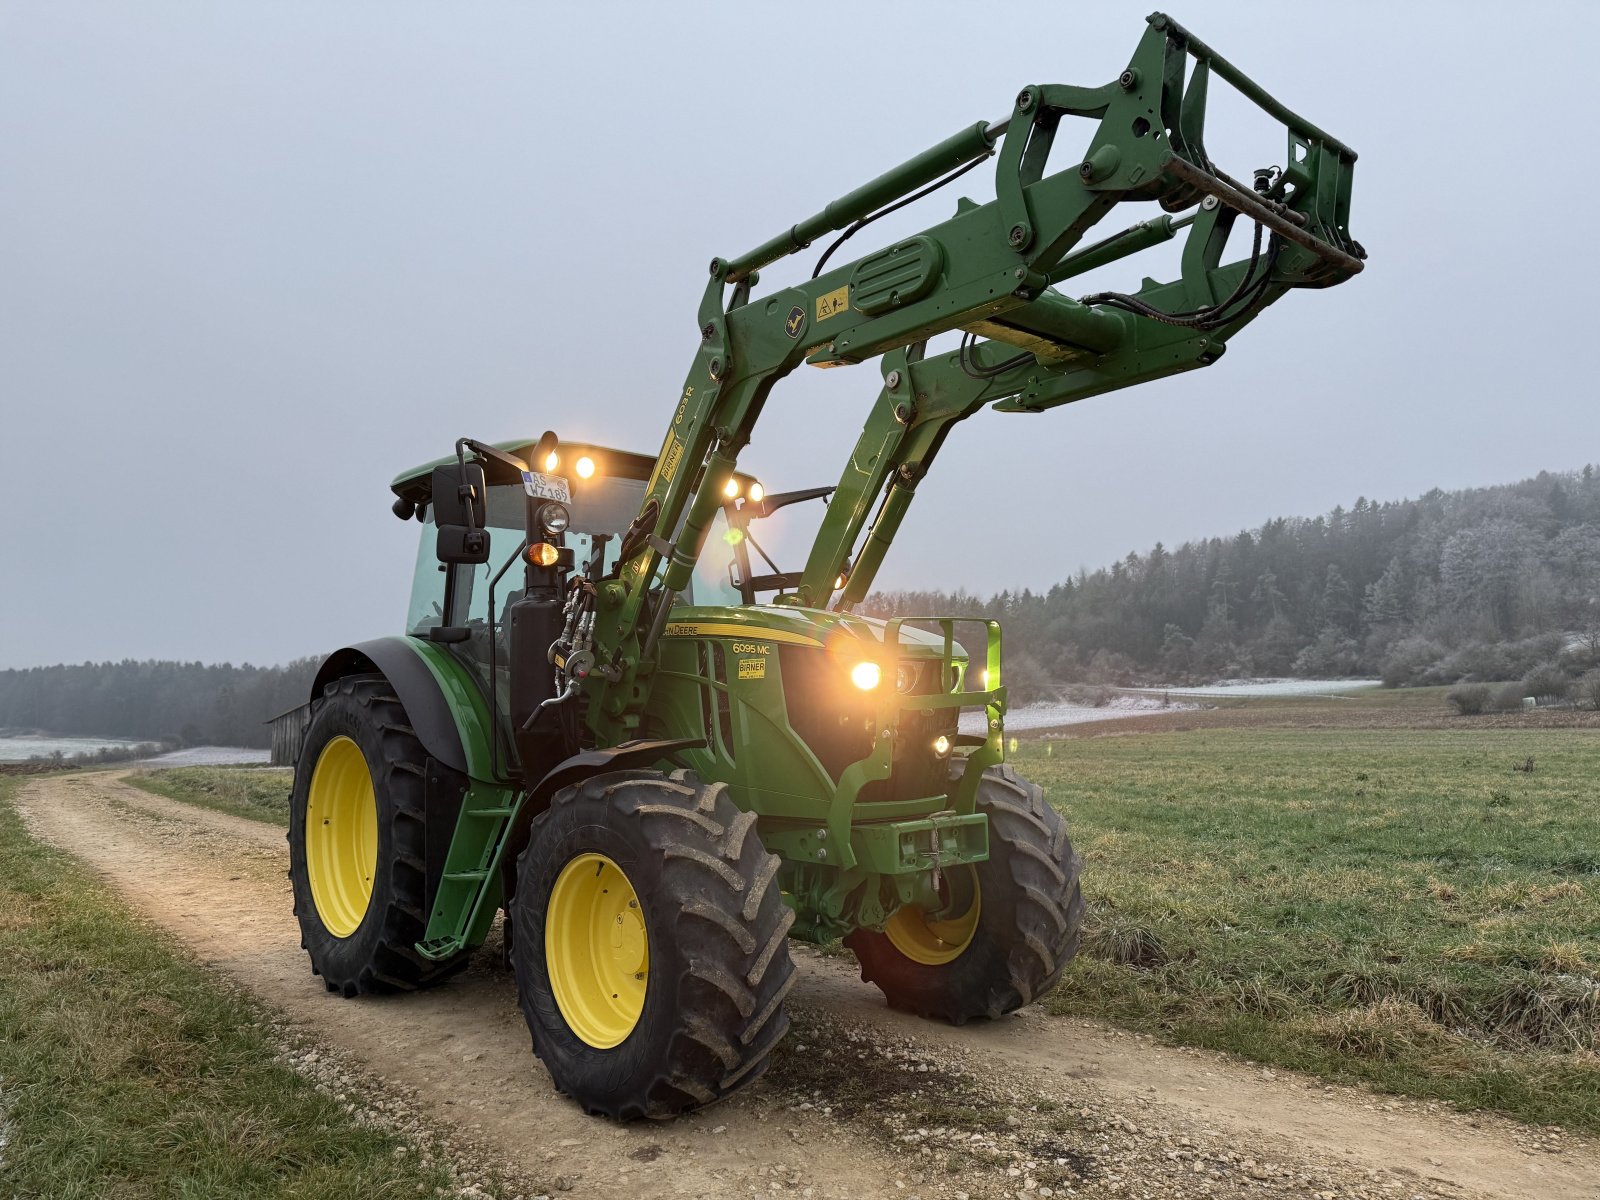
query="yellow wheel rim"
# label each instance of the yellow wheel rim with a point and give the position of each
(934, 943)
(597, 950)
(341, 836)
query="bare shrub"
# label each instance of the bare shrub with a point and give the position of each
(1547, 683)
(1469, 699)
(1508, 697)
(1586, 692)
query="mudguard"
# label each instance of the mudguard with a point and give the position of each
(429, 712)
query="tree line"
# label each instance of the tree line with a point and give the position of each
(1479, 584)
(182, 703)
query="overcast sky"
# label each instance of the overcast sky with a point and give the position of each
(256, 259)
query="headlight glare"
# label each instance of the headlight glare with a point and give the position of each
(866, 675)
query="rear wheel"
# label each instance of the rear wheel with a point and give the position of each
(1012, 923)
(651, 953)
(357, 843)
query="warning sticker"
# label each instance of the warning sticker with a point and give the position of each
(833, 303)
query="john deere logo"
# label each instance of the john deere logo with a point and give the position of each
(795, 321)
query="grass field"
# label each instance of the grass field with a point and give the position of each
(1364, 899)
(127, 1070)
(260, 793)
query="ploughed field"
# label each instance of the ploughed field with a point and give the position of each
(1368, 888)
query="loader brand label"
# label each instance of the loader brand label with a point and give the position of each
(669, 460)
(795, 321)
(833, 303)
(752, 668)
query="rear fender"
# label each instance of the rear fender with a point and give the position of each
(440, 699)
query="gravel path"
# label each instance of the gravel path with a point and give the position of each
(861, 1102)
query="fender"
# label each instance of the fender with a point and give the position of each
(425, 704)
(568, 771)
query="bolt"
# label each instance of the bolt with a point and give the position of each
(715, 367)
(822, 855)
(1086, 170)
(639, 975)
(1019, 233)
(1209, 203)
(902, 413)
(709, 332)
(892, 381)
(822, 835)
(1024, 99)
(1128, 80)
(633, 904)
(716, 266)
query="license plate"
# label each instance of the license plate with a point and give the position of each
(546, 487)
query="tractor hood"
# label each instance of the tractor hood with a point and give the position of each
(791, 625)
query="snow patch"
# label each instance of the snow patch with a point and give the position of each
(1051, 713)
(208, 756)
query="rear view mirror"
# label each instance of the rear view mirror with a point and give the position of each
(460, 511)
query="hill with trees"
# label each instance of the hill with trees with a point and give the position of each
(1482, 584)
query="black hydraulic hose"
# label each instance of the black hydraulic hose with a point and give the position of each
(884, 212)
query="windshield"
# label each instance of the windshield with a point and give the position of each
(600, 506)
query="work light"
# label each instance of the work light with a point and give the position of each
(865, 675)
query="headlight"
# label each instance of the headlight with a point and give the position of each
(554, 517)
(905, 679)
(865, 675)
(941, 745)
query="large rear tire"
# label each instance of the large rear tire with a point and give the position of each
(1010, 944)
(357, 843)
(651, 949)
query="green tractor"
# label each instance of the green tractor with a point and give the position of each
(615, 718)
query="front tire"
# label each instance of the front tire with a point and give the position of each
(357, 843)
(651, 949)
(1010, 945)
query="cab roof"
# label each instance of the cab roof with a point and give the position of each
(416, 484)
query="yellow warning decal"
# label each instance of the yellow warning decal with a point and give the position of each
(752, 668)
(833, 303)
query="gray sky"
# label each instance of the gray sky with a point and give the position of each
(256, 259)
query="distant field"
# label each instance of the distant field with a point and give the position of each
(260, 793)
(1334, 886)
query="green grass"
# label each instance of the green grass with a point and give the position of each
(128, 1071)
(1396, 906)
(260, 794)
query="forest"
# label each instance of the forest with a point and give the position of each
(1482, 585)
(181, 703)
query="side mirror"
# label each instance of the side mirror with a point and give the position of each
(460, 510)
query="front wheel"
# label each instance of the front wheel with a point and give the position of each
(1017, 920)
(651, 950)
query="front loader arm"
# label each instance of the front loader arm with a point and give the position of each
(991, 271)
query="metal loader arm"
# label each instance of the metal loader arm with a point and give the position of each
(991, 271)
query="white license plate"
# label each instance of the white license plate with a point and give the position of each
(546, 487)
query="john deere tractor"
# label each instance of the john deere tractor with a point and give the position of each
(616, 718)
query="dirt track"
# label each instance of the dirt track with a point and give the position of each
(1130, 1118)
